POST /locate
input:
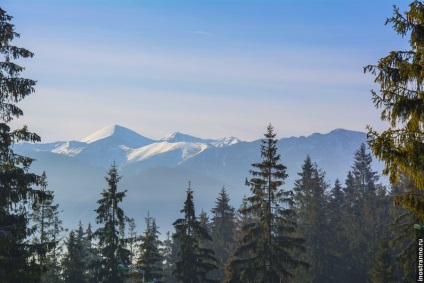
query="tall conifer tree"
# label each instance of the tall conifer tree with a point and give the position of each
(45, 217)
(16, 183)
(383, 268)
(401, 99)
(269, 248)
(403, 241)
(222, 227)
(194, 262)
(360, 216)
(313, 215)
(169, 253)
(111, 217)
(337, 218)
(150, 252)
(74, 264)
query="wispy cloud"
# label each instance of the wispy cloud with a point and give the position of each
(198, 32)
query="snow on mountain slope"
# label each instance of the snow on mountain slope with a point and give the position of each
(227, 141)
(118, 135)
(70, 148)
(156, 175)
(125, 147)
(226, 157)
(33, 147)
(180, 137)
(185, 150)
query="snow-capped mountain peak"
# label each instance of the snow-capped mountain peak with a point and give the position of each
(118, 135)
(104, 133)
(227, 141)
(180, 137)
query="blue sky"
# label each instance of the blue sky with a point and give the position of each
(205, 68)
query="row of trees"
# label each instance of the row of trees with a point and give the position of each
(315, 232)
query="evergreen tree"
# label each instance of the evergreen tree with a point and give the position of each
(337, 218)
(151, 259)
(241, 220)
(365, 182)
(73, 263)
(133, 239)
(168, 254)
(111, 217)
(48, 226)
(382, 271)
(360, 216)
(222, 230)
(204, 221)
(403, 241)
(16, 183)
(45, 217)
(194, 262)
(91, 256)
(313, 216)
(401, 99)
(267, 250)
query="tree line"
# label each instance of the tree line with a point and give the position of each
(313, 232)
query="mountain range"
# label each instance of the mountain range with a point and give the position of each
(156, 173)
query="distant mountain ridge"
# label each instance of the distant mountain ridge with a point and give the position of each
(156, 172)
(124, 146)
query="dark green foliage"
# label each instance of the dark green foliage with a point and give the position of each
(74, 264)
(337, 218)
(360, 217)
(403, 241)
(111, 217)
(267, 249)
(16, 184)
(48, 226)
(401, 98)
(133, 239)
(383, 271)
(222, 231)
(315, 226)
(151, 259)
(169, 253)
(194, 262)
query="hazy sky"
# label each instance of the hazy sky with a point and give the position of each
(205, 68)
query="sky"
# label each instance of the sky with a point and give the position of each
(205, 68)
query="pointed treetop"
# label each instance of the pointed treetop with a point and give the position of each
(270, 132)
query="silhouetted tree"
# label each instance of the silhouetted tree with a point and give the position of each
(269, 248)
(151, 259)
(17, 191)
(194, 262)
(111, 217)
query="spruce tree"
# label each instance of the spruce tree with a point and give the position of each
(194, 262)
(151, 259)
(222, 230)
(73, 263)
(403, 241)
(313, 215)
(91, 256)
(17, 190)
(360, 216)
(401, 99)
(111, 218)
(133, 239)
(383, 268)
(337, 218)
(269, 247)
(168, 252)
(48, 226)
